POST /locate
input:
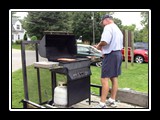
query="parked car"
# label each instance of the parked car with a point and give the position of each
(140, 45)
(91, 52)
(140, 55)
(83, 50)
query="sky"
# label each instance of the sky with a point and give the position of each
(127, 18)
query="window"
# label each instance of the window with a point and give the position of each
(83, 49)
(18, 27)
(18, 37)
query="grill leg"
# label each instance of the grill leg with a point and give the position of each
(90, 100)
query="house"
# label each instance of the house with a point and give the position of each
(17, 30)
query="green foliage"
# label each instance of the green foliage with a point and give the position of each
(33, 38)
(37, 22)
(118, 22)
(145, 16)
(142, 35)
(144, 22)
(129, 27)
(83, 26)
(14, 15)
(18, 41)
(25, 36)
(79, 23)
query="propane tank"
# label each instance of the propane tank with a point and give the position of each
(60, 95)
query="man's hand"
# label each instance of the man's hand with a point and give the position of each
(97, 47)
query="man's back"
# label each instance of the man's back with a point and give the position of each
(114, 38)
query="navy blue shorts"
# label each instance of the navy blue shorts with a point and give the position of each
(111, 64)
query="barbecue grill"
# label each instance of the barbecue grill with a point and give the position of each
(61, 47)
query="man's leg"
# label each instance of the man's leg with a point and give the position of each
(105, 89)
(114, 89)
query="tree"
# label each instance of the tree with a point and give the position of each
(83, 25)
(79, 23)
(37, 22)
(129, 27)
(14, 15)
(25, 36)
(143, 33)
(145, 16)
(118, 22)
(144, 22)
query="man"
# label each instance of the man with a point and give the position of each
(111, 44)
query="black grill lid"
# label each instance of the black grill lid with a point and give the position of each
(57, 44)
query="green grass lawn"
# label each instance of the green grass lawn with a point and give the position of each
(16, 46)
(135, 77)
(27, 47)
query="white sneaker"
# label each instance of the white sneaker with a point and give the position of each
(100, 106)
(112, 104)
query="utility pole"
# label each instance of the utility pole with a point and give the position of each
(93, 29)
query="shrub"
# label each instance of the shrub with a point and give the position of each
(33, 38)
(32, 46)
(18, 41)
(25, 36)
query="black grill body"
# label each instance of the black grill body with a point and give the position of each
(63, 45)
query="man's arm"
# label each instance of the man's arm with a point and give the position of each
(101, 44)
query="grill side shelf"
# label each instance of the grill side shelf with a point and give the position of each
(47, 65)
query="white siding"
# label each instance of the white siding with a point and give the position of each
(15, 25)
(18, 32)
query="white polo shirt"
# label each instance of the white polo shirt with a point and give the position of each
(113, 36)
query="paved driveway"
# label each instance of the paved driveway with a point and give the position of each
(16, 61)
